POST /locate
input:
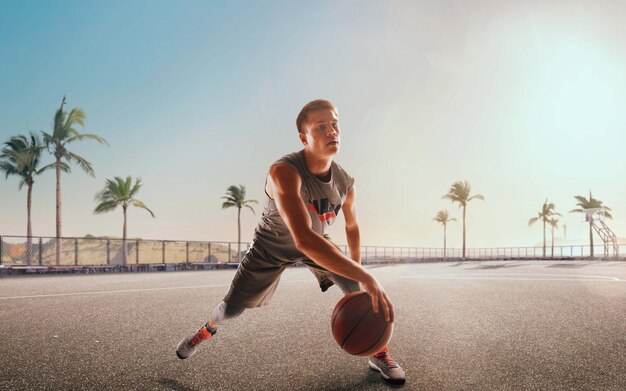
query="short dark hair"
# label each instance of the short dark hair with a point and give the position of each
(314, 105)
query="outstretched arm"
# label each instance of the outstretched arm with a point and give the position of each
(285, 184)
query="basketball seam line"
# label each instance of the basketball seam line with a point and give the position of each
(332, 321)
(376, 341)
(355, 326)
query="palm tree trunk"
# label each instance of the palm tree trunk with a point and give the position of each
(239, 234)
(591, 237)
(544, 238)
(444, 241)
(125, 257)
(29, 228)
(464, 232)
(552, 250)
(58, 210)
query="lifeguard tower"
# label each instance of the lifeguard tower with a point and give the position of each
(595, 216)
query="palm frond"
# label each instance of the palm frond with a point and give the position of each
(59, 119)
(553, 222)
(75, 116)
(252, 209)
(141, 205)
(136, 187)
(8, 168)
(228, 204)
(82, 162)
(81, 137)
(106, 206)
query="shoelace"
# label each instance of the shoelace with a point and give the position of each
(388, 361)
(200, 336)
(196, 340)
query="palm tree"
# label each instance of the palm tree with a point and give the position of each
(460, 192)
(591, 203)
(236, 196)
(118, 192)
(21, 156)
(65, 133)
(547, 211)
(442, 217)
(554, 223)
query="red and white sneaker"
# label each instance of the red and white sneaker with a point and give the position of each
(389, 370)
(188, 345)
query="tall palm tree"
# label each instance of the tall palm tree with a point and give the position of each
(442, 217)
(118, 192)
(236, 197)
(63, 134)
(591, 203)
(460, 192)
(547, 211)
(554, 223)
(21, 157)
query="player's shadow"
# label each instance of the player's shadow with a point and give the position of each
(487, 267)
(372, 381)
(568, 265)
(175, 385)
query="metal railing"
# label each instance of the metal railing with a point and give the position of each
(88, 251)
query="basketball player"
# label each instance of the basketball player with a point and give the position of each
(305, 192)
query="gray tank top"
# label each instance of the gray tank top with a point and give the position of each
(323, 201)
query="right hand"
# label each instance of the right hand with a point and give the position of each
(379, 298)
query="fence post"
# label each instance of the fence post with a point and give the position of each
(163, 252)
(187, 243)
(228, 258)
(40, 252)
(1, 252)
(209, 258)
(137, 253)
(75, 251)
(108, 251)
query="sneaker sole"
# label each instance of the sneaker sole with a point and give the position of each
(181, 356)
(395, 382)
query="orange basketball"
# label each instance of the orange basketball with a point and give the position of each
(357, 329)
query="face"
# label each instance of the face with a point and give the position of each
(321, 132)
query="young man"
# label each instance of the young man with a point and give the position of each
(305, 192)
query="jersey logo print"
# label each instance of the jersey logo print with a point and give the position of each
(325, 210)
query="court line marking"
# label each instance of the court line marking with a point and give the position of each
(519, 277)
(116, 291)
(482, 276)
(127, 290)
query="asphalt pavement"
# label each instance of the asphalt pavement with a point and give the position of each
(494, 325)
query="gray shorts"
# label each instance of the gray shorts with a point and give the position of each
(258, 275)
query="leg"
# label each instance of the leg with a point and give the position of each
(223, 312)
(253, 285)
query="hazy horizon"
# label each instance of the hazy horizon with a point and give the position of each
(525, 101)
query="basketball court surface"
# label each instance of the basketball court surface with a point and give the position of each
(541, 325)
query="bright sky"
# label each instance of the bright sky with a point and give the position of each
(525, 101)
